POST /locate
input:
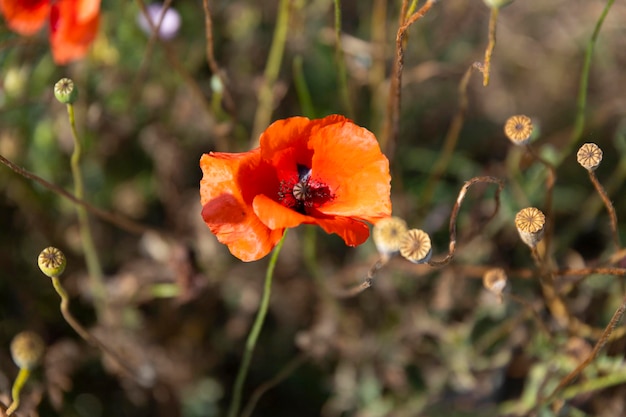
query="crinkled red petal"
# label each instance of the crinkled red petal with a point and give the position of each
(227, 188)
(348, 159)
(73, 28)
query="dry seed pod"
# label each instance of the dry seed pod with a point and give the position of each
(416, 247)
(388, 233)
(589, 156)
(51, 261)
(27, 349)
(518, 129)
(495, 280)
(530, 223)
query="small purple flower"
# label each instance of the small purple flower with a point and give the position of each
(169, 26)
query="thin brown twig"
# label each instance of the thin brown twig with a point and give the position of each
(590, 271)
(210, 56)
(367, 282)
(617, 317)
(121, 222)
(457, 207)
(609, 207)
(392, 124)
(486, 67)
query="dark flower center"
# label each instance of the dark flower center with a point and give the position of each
(300, 193)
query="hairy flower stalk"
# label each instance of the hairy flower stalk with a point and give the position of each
(66, 92)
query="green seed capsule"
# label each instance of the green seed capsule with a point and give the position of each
(51, 261)
(65, 91)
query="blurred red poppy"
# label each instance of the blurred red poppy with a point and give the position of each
(73, 23)
(328, 172)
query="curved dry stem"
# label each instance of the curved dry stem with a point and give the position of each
(457, 207)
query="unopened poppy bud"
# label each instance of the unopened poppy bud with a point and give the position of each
(51, 261)
(530, 223)
(65, 91)
(415, 246)
(388, 233)
(27, 349)
(497, 4)
(518, 129)
(589, 156)
(495, 280)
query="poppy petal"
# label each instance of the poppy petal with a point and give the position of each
(353, 232)
(348, 159)
(226, 211)
(25, 17)
(276, 216)
(73, 28)
(293, 134)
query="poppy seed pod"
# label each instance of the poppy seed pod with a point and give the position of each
(530, 223)
(51, 261)
(27, 349)
(518, 129)
(65, 91)
(589, 156)
(494, 281)
(416, 247)
(388, 233)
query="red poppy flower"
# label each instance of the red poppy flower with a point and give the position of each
(328, 172)
(73, 23)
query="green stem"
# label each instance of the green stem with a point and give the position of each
(341, 63)
(581, 104)
(21, 379)
(253, 336)
(275, 57)
(91, 255)
(302, 89)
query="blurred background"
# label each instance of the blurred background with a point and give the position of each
(422, 341)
